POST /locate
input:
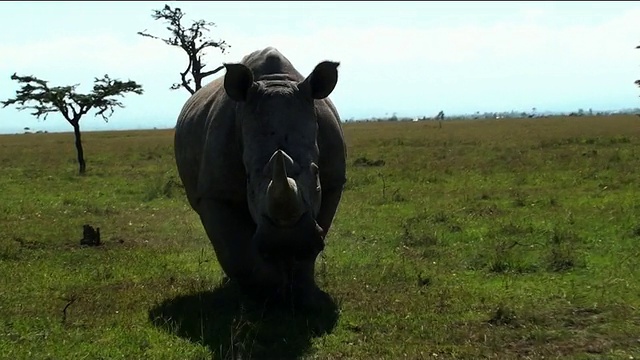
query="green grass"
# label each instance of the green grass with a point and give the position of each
(503, 239)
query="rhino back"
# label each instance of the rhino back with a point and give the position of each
(270, 61)
(331, 146)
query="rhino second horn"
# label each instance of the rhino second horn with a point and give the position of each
(284, 204)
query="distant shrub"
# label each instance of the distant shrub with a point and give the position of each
(161, 187)
(363, 161)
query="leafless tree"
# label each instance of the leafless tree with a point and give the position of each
(193, 41)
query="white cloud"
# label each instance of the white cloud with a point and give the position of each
(459, 64)
(92, 54)
(533, 57)
(511, 42)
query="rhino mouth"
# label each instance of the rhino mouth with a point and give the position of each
(301, 241)
(285, 222)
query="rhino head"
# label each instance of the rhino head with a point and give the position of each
(276, 117)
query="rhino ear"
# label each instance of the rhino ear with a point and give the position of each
(237, 81)
(321, 82)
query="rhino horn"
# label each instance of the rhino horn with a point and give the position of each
(284, 203)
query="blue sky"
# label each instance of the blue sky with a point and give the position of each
(411, 58)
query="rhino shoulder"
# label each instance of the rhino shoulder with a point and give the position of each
(206, 150)
(331, 145)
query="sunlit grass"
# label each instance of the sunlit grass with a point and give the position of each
(502, 239)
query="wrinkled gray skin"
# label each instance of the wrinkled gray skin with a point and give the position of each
(261, 154)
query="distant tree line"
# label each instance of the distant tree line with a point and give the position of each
(499, 115)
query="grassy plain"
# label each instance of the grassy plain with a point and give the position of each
(502, 239)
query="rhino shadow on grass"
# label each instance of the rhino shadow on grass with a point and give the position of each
(232, 326)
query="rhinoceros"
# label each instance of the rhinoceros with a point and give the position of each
(261, 154)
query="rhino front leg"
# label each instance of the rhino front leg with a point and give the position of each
(330, 200)
(231, 231)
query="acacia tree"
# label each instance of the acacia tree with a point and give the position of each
(35, 94)
(193, 41)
